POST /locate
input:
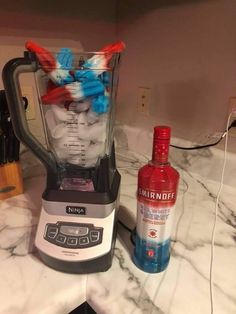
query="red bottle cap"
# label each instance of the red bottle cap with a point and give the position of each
(162, 132)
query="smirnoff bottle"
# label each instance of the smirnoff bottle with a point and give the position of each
(156, 197)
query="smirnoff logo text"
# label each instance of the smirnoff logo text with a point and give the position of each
(157, 196)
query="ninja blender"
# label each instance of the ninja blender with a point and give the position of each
(76, 93)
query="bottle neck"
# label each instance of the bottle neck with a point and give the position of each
(160, 150)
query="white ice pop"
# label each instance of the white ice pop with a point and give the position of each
(79, 106)
(59, 131)
(97, 132)
(61, 114)
(50, 119)
(95, 150)
(92, 116)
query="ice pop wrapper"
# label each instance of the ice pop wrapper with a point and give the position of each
(75, 91)
(55, 70)
(98, 63)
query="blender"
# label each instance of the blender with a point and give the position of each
(76, 94)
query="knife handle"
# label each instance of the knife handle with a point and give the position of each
(3, 149)
(11, 180)
(16, 148)
(10, 144)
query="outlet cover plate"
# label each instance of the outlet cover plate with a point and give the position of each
(144, 97)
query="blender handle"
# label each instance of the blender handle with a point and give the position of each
(10, 76)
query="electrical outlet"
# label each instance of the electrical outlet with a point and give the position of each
(144, 94)
(27, 91)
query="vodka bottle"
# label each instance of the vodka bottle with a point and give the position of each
(156, 197)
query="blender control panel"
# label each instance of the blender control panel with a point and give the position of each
(73, 235)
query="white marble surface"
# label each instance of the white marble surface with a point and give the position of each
(28, 286)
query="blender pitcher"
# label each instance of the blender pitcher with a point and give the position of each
(77, 92)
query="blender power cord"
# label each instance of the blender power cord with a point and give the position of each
(124, 226)
(233, 124)
(216, 216)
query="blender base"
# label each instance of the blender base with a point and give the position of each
(77, 244)
(100, 264)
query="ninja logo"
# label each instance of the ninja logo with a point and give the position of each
(75, 210)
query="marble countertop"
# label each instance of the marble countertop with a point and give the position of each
(28, 286)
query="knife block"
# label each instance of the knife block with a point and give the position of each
(11, 181)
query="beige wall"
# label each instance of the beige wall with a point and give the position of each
(90, 22)
(187, 55)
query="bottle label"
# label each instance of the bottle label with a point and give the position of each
(155, 215)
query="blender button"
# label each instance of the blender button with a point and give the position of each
(72, 241)
(52, 229)
(94, 236)
(52, 232)
(61, 238)
(83, 240)
(51, 235)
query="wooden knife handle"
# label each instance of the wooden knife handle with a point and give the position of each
(11, 182)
